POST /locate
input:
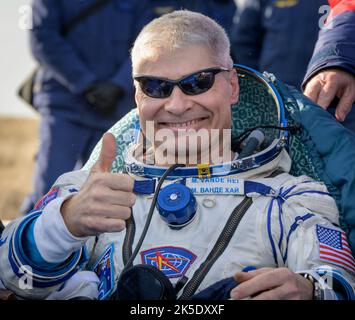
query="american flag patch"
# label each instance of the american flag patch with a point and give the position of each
(334, 247)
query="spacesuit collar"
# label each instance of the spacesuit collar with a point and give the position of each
(261, 164)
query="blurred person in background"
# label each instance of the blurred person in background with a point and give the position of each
(330, 78)
(277, 36)
(84, 85)
(220, 10)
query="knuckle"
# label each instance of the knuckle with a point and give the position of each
(288, 272)
(313, 83)
(96, 193)
(101, 225)
(98, 178)
(292, 291)
(125, 212)
(127, 180)
(285, 272)
(120, 225)
(289, 287)
(285, 291)
(115, 225)
(132, 199)
(91, 224)
(92, 206)
(236, 292)
(326, 93)
(332, 76)
(95, 178)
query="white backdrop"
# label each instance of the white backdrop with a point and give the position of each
(15, 57)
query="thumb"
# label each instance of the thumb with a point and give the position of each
(107, 154)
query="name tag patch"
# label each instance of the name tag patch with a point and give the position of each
(219, 185)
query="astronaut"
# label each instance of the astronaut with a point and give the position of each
(201, 214)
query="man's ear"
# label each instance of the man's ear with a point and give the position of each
(235, 86)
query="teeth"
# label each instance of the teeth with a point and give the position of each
(183, 124)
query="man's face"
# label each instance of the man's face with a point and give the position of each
(180, 112)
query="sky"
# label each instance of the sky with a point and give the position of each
(16, 61)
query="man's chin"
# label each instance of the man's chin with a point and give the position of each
(177, 151)
(190, 150)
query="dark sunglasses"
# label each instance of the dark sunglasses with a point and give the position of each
(192, 84)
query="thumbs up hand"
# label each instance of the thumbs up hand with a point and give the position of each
(105, 199)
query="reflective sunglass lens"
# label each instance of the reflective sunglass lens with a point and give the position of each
(193, 84)
(197, 83)
(156, 88)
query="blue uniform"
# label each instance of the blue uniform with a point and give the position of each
(336, 49)
(96, 50)
(220, 10)
(276, 36)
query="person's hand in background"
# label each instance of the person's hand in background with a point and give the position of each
(329, 84)
(104, 97)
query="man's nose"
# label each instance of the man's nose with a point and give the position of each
(178, 102)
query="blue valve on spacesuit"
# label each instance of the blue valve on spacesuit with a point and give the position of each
(176, 205)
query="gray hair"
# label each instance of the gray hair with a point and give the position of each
(178, 29)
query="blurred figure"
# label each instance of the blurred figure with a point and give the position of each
(84, 85)
(330, 78)
(220, 10)
(277, 36)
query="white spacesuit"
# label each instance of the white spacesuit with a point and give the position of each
(290, 222)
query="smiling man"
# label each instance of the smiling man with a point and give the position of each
(207, 85)
(213, 231)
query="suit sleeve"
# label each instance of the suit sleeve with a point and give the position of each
(305, 237)
(335, 47)
(37, 253)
